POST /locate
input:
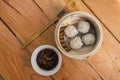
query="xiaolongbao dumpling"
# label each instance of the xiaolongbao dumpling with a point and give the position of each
(76, 43)
(83, 26)
(71, 31)
(88, 39)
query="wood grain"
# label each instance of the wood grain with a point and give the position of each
(24, 20)
(104, 61)
(14, 63)
(24, 23)
(25, 17)
(75, 70)
(108, 12)
(108, 57)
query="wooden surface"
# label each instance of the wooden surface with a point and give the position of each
(108, 12)
(19, 19)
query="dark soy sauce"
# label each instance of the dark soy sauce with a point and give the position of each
(47, 59)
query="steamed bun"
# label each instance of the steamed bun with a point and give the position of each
(83, 26)
(88, 39)
(71, 31)
(76, 43)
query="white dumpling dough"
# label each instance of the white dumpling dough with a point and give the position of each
(71, 31)
(76, 43)
(88, 39)
(70, 20)
(83, 26)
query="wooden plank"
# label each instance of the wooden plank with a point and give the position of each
(109, 52)
(51, 8)
(25, 18)
(14, 63)
(37, 43)
(21, 23)
(103, 13)
(79, 63)
(106, 61)
(75, 70)
(108, 12)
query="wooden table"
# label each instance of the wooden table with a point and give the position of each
(19, 19)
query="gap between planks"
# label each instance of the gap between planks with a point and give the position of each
(101, 21)
(1, 77)
(28, 51)
(103, 26)
(109, 32)
(94, 70)
(11, 6)
(54, 24)
(20, 62)
(17, 38)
